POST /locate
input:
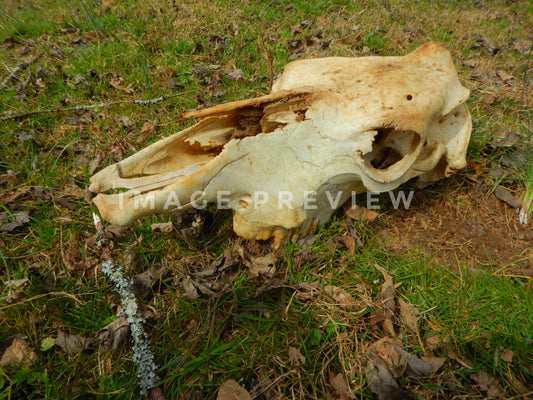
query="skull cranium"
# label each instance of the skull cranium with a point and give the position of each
(331, 126)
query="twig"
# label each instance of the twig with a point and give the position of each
(18, 68)
(142, 355)
(73, 297)
(93, 106)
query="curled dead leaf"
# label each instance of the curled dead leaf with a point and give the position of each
(71, 344)
(231, 390)
(118, 83)
(487, 384)
(190, 289)
(18, 353)
(10, 222)
(338, 383)
(263, 266)
(408, 315)
(362, 213)
(507, 356)
(381, 381)
(340, 296)
(295, 357)
(114, 334)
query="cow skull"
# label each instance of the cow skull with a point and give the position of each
(330, 126)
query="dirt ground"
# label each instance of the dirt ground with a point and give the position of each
(472, 227)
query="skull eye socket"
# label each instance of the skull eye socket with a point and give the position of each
(390, 146)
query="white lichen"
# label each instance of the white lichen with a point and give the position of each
(142, 355)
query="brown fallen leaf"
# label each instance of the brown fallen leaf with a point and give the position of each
(15, 288)
(146, 131)
(190, 289)
(408, 315)
(435, 362)
(150, 280)
(433, 342)
(263, 266)
(381, 381)
(118, 83)
(231, 390)
(507, 356)
(385, 315)
(115, 231)
(362, 213)
(487, 384)
(340, 296)
(504, 75)
(338, 383)
(306, 291)
(18, 353)
(71, 344)
(504, 195)
(10, 222)
(295, 357)
(114, 335)
(411, 364)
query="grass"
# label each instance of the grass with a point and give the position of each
(478, 313)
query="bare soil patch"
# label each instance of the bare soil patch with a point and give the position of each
(467, 227)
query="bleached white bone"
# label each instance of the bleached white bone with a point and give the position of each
(332, 126)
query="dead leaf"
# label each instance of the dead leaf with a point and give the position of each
(362, 213)
(471, 63)
(340, 296)
(235, 75)
(114, 334)
(307, 241)
(14, 289)
(146, 131)
(381, 381)
(507, 356)
(412, 364)
(349, 242)
(231, 390)
(150, 280)
(10, 222)
(387, 304)
(18, 353)
(118, 83)
(220, 265)
(504, 195)
(190, 289)
(263, 266)
(270, 285)
(487, 384)
(409, 315)
(125, 121)
(504, 75)
(295, 357)
(433, 342)
(115, 231)
(338, 383)
(71, 344)
(164, 227)
(435, 362)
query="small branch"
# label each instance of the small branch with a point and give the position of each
(18, 68)
(142, 355)
(93, 106)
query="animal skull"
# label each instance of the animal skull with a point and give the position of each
(332, 126)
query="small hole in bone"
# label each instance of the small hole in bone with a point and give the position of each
(409, 97)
